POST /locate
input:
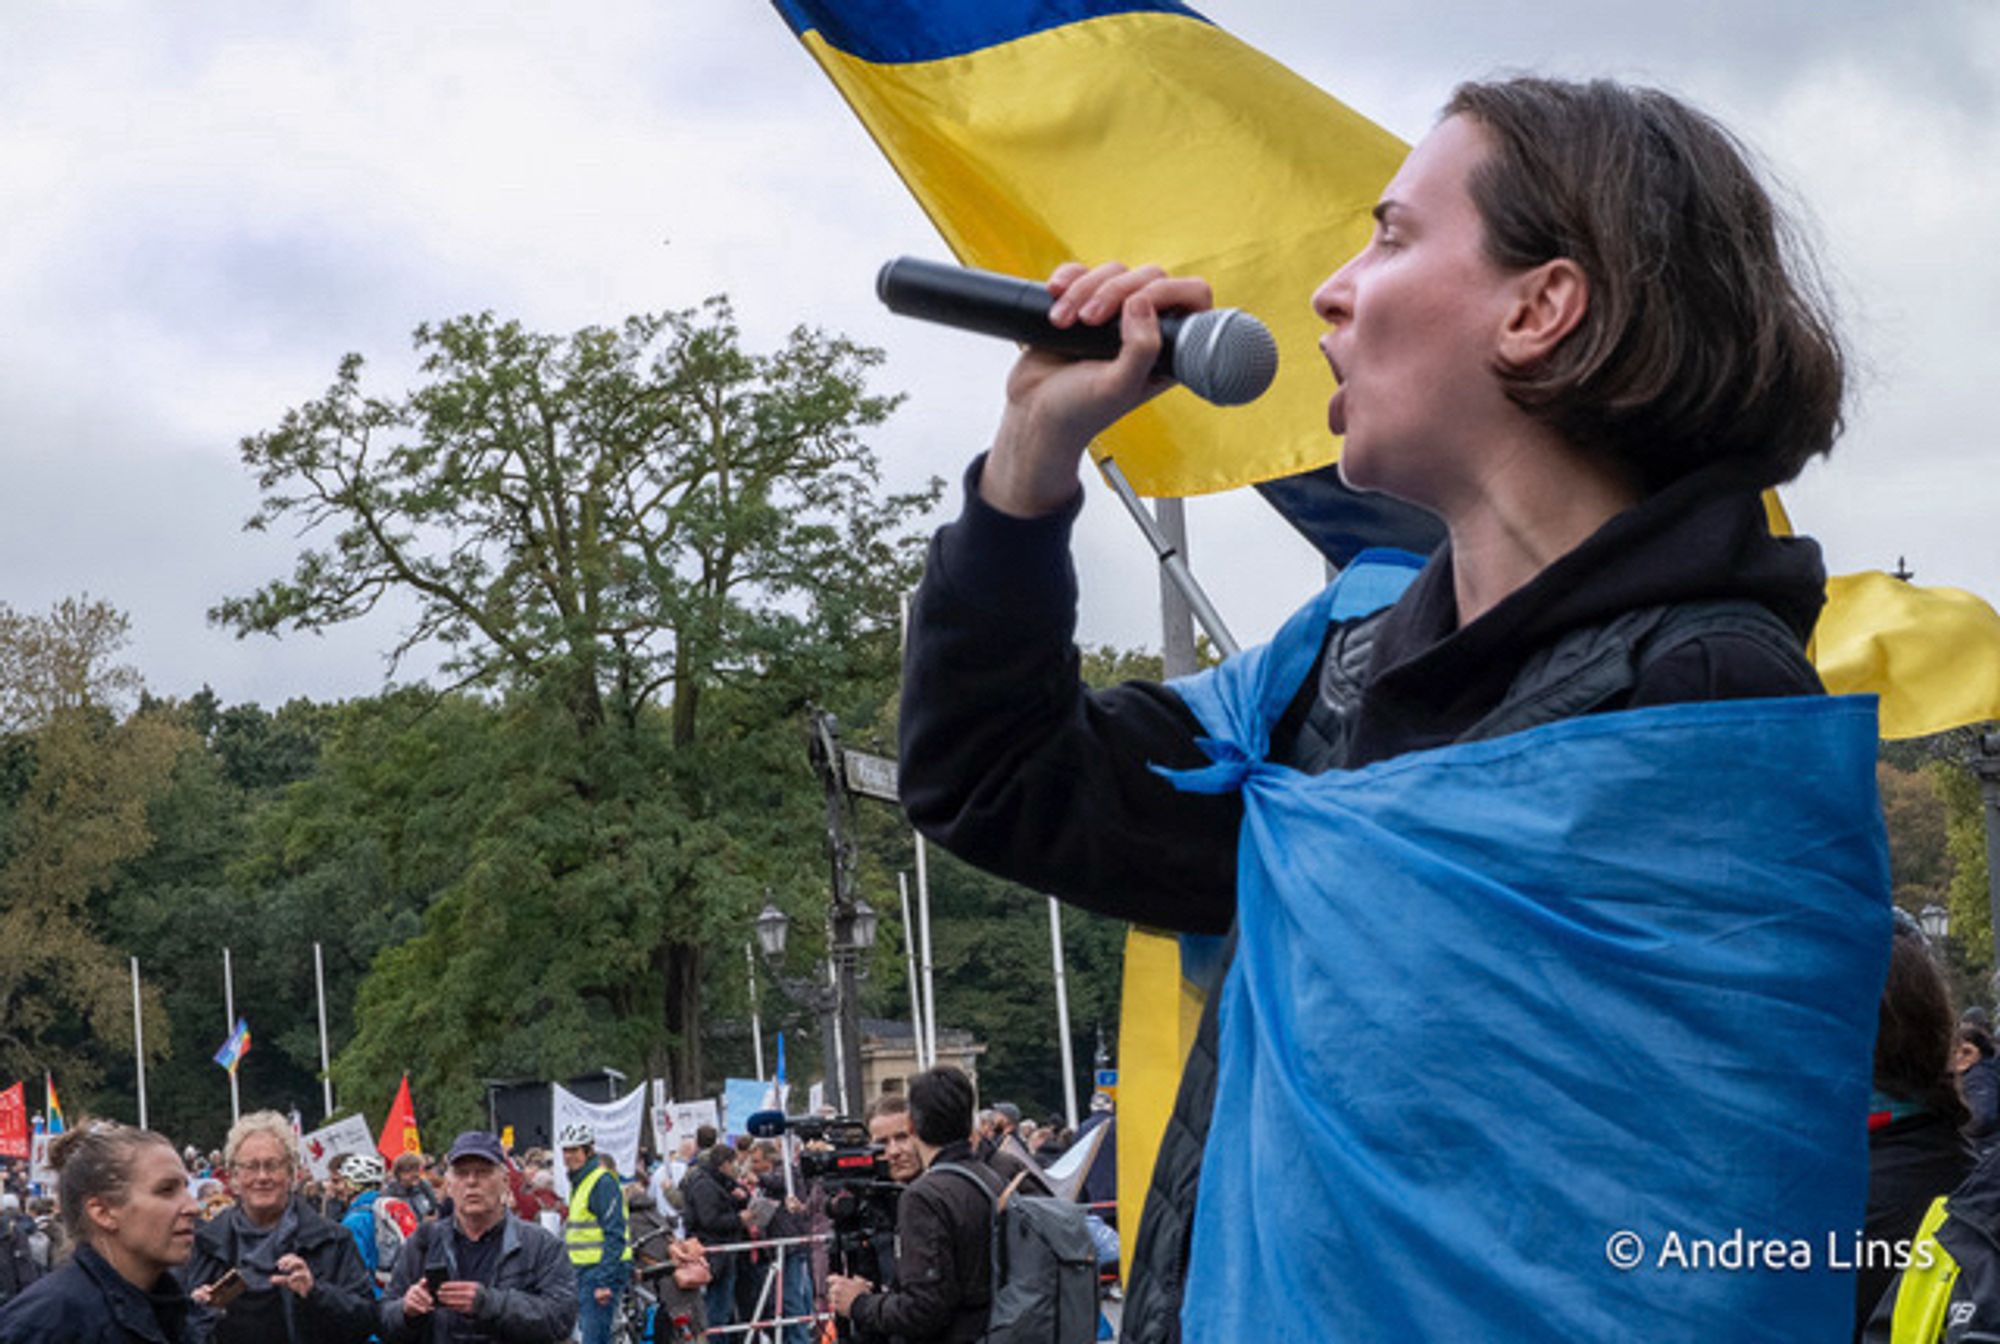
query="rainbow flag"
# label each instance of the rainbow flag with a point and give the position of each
(238, 1045)
(54, 1122)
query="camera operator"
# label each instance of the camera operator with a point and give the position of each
(943, 1230)
(889, 1125)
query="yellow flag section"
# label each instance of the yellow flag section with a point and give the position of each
(1158, 1013)
(1133, 133)
(1932, 654)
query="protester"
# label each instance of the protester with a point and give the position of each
(1978, 1084)
(502, 1279)
(18, 1266)
(944, 1229)
(1915, 1150)
(1578, 338)
(407, 1183)
(304, 1281)
(126, 1207)
(595, 1233)
(717, 1213)
(379, 1231)
(788, 1222)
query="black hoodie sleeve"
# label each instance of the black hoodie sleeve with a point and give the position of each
(1011, 763)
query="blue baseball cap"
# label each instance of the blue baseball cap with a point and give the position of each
(477, 1143)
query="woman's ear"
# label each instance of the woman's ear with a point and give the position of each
(1550, 301)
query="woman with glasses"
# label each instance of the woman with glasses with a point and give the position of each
(302, 1279)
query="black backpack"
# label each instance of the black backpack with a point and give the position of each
(1044, 1268)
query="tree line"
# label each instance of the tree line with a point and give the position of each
(643, 552)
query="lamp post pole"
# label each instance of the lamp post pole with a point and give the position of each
(1986, 765)
(844, 943)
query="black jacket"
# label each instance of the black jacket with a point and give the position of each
(714, 1215)
(88, 1302)
(1010, 763)
(530, 1297)
(944, 1258)
(1971, 1234)
(1911, 1162)
(340, 1309)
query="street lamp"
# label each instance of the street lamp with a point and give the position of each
(772, 926)
(1935, 921)
(836, 1001)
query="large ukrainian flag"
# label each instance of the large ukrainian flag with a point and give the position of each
(1037, 131)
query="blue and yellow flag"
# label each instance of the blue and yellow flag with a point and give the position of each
(1037, 131)
(1525, 1061)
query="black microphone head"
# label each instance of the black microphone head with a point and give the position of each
(1225, 356)
(765, 1124)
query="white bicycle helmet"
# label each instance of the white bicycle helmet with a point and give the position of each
(576, 1134)
(363, 1169)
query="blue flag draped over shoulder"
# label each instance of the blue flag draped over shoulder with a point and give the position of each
(1523, 1035)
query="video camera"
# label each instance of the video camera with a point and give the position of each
(861, 1199)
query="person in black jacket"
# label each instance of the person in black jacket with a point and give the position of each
(716, 1210)
(1978, 1084)
(944, 1229)
(127, 1208)
(1587, 385)
(1915, 1149)
(305, 1283)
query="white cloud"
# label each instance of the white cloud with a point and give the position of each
(208, 205)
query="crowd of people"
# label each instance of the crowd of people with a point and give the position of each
(138, 1241)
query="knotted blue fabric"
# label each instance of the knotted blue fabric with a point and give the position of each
(1564, 1035)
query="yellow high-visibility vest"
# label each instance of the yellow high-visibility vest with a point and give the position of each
(583, 1235)
(1925, 1292)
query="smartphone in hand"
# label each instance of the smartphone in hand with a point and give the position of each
(226, 1289)
(434, 1279)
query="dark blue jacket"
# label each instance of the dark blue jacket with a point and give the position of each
(531, 1298)
(89, 1302)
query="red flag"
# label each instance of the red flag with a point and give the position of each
(399, 1133)
(14, 1122)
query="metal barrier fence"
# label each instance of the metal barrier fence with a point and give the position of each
(772, 1327)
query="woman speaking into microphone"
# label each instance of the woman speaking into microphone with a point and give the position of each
(1529, 918)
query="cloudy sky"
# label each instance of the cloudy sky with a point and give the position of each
(208, 203)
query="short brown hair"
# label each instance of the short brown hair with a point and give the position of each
(1708, 336)
(889, 1103)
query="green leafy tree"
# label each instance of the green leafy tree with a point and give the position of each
(81, 768)
(652, 546)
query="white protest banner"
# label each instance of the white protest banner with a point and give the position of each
(39, 1171)
(349, 1134)
(816, 1098)
(616, 1125)
(683, 1119)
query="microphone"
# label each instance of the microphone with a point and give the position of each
(765, 1124)
(1224, 356)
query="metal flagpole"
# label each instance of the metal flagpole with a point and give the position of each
(910, 958)
(229, 1011)
(847, 1103)
(1171, 552)
(924, 950)
(139, 1041)
(756, 1024)
(1062, 1011)
(325, 1063)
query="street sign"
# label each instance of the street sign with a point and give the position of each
(871, 776)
